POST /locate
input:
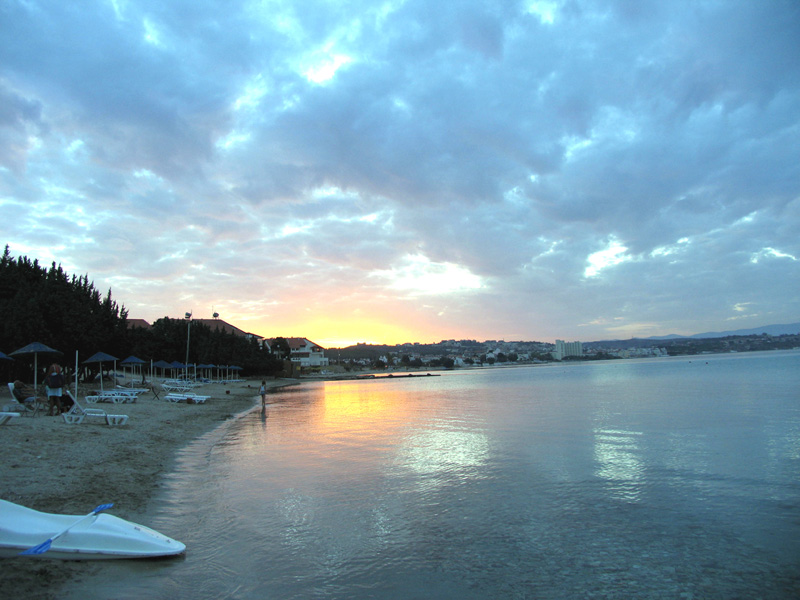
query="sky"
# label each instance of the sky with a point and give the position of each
(401, 171)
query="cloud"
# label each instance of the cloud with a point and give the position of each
(559, 169)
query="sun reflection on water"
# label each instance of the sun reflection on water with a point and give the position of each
(382, 416)
(353, 413)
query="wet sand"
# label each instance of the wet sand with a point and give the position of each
(51, 466)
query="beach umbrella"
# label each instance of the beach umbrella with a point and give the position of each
(133, 362)
(205, 367)
(36, 348)
(101, 357)
(229, 372)
(162, 364)
(176, 366)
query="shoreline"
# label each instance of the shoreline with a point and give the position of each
(51, 466)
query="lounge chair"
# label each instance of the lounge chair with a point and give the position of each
(5, 417)
(30, 405)
(177, 387)
(186, 397)
(132, 391)
(113, 396)
(77, 414)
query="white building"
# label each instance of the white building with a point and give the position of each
(304, 352)
(564, 349)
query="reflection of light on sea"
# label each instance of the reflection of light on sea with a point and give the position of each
(440, 453)
(356, 404)
(616, 453)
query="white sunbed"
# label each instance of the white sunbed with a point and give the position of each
(115, 396)
(77, 414)
(186, 397)
(130, 391)
(5, 417)
(171, 387)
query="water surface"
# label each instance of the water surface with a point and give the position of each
(660, 478)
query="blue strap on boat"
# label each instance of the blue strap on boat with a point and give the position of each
(45, 545)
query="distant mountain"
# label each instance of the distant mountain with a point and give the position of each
(790, 328)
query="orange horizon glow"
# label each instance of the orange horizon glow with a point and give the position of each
(349, 331)
(345, 331)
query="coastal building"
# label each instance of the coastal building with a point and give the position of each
(303, 352)
(564, 349)
(140, 323)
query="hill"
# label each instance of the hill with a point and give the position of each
(791, 328)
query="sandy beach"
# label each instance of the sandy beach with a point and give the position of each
(51, 466)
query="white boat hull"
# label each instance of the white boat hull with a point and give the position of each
(101, 536)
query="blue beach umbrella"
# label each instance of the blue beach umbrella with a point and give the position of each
(36, 348)
(177, 366)
(133, 362)
(101, 357)
(162, 364)
(204, 369)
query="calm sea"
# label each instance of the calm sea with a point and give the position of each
(659, 478)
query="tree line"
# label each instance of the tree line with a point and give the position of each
(67, 313)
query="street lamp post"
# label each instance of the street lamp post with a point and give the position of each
(188, 318)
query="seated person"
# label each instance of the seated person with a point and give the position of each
(23, 392)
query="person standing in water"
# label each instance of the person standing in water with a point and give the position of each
(263, 392)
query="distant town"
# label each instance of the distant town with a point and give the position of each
(464, 353)
(307, 357)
